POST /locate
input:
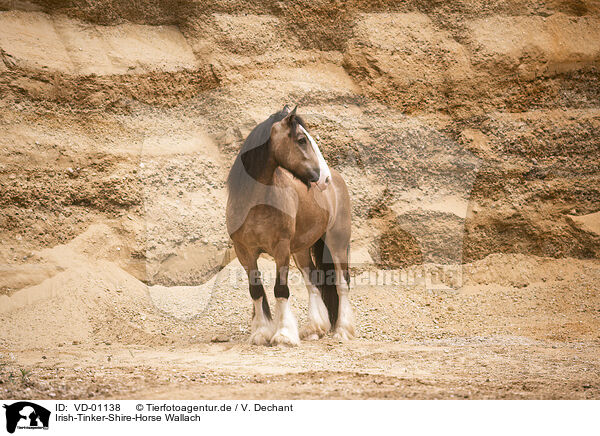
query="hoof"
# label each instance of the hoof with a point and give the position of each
(260, 337)
(343, 334)
(284, 337)
(312, 333)
(310, 336)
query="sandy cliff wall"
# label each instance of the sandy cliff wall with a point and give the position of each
(462, 128)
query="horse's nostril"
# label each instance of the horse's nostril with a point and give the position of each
(327, 180)
(315, 175)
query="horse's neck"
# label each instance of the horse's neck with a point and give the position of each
(269, 192)
(267, 174)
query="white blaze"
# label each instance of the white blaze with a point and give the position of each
(325, 174)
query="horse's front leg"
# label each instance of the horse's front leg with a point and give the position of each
(286, 332)
(261, 328)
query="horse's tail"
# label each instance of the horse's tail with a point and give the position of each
(325, 278)
(265, 306)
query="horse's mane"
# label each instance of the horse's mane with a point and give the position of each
(253, 154)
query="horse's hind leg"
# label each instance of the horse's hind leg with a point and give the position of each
(286, 324)
(318, 318)
(344, 326)
(261, 329)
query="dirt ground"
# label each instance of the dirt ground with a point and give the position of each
(474, 368)
(505, 340)
(467, 135)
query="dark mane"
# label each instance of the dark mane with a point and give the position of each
(253, 154)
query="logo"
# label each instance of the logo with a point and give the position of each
(26, 415)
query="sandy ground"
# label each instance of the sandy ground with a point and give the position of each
(122, 339)
(476, 368)
(467, 135)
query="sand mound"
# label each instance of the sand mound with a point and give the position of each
(81, 304)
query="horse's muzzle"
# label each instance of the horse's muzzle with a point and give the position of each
(314, 176)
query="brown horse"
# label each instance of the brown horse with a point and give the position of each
(285, 201)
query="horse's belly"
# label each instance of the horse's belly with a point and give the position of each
(264, 227)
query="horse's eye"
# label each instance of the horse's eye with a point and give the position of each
(302, 141)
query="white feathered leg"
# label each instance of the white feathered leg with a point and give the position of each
(318, 318)
(344, 327)
(286, 324)
(261, 329)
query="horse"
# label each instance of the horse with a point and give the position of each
(285, 201)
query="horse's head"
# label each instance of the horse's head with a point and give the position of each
(296, 151)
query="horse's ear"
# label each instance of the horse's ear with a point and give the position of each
(286, 109)
(290, 117)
